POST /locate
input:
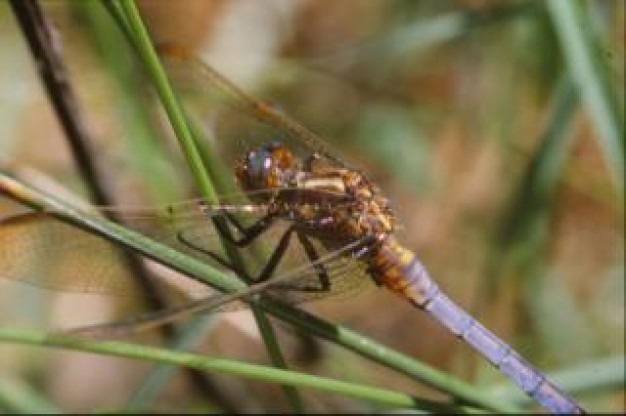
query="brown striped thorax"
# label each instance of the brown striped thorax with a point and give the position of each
(334, 203)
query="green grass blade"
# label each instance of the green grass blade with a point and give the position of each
(276, 356)
(589, 71)
(545, 169)
(147, 157)
(168, 99)
(187, 143)
(19, 397)
(257, 372)
(406, 41)
(193, 268)
(190, 336)
(521, 237)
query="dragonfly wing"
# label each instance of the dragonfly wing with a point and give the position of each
(346, 274)
(305, 282)
(235, 116)
(299, 278)
(347, 277)
(40, 249)
(43, 251)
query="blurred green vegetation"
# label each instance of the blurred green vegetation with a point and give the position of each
(495, 128)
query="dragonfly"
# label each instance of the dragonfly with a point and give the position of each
(297, 192)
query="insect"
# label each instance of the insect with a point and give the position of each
(343, 226)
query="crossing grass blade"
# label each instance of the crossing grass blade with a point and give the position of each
(178, 120)
(205, 273)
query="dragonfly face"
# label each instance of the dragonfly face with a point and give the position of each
(269, 166)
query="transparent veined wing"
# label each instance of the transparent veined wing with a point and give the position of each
(40, 249)
(237, 119)
(278, 289)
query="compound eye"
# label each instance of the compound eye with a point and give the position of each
(259, 164)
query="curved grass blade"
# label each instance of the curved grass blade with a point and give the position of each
(204, 273)
(186, 140)
(380, 396)
(589, 71)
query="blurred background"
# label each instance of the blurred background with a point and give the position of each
(503, 180)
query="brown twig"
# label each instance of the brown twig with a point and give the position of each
(46, 49)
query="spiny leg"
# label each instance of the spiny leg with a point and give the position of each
(277, 255)
(259, 227)
(279, 252)
(321, 271)
(361, 248)
(312, 255)
(249, 233)
(219, 259)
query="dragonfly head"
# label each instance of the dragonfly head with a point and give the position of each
(265, 167)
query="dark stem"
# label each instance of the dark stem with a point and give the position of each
(46, 49)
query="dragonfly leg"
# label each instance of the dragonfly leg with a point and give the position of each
(249, 233)
(279, 252)
(223, 262)
(276, 256)
(320, 269)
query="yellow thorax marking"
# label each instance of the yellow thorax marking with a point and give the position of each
(331, 184)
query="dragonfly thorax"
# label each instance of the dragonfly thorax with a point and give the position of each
(322, 198)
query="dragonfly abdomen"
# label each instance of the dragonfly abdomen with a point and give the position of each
(503, 357)
(400, 271)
